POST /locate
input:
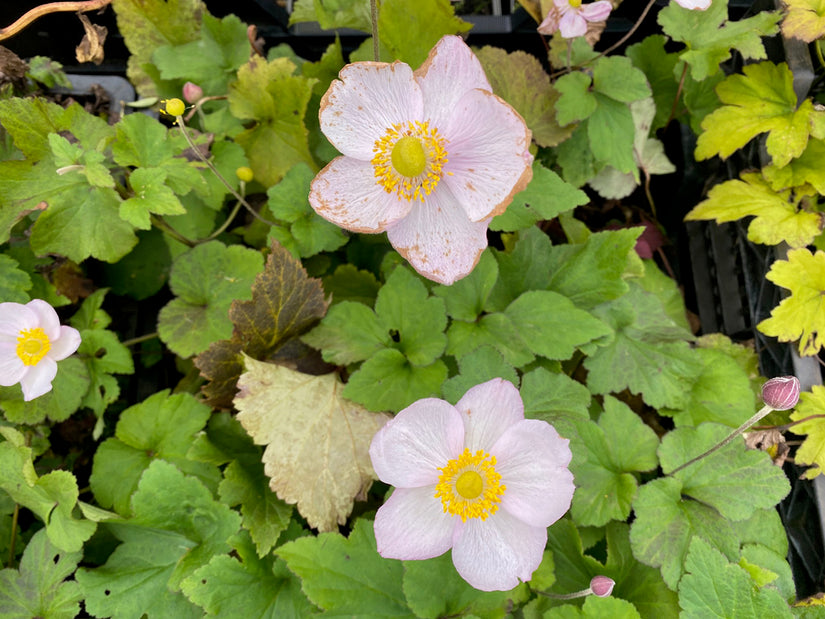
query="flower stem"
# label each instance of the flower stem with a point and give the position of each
(376, 44)
(139, 339)
(789, 425)
(159, 222)
(762, 413)
(566, 596)
(14, 516)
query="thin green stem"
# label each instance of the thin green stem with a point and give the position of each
(762, 413)
(159, 222)
(678, 95)
(789, 425)
(566, 596)
(818, 49)
(225, 224)
(13, 538)
(139, 339)
(376, 44)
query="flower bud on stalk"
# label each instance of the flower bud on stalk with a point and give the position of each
(781, 393)
(602, 586)
(192, 93)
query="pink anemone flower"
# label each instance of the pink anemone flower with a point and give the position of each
(429, 156)
(31, 343)
(476, 477)
(570, 17)
(691, 5)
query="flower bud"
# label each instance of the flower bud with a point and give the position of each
(602, 586)
(781, 393)
(192, 93)
(244, 174)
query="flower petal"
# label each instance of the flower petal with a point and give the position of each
(532, 459)
(412, 525)
(368, 98)
(487, 151)
(346, 193)
(38, 380)
(437, 238)
(699, 5)
(551, 22)
(488, 410)
(449, 72)
(66, 344)
(46, 317)
(493, 554)
(410, 448)
(14, 318)
(12, 369)
(572, 25)
(596, 11)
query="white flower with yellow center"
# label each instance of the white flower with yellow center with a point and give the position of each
(475, 477)
(429, 156)
(32, 341)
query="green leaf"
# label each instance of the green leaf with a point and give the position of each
(331, 14)
(263, 588)
(348, 283)
(606, 455)
(71, 159)
(205, 280)
(648, 354)
(798, 316)
(476, 367)
(710, 37)
(617, 78)
(496, 330)
(142, 272)
(350, 332)
(777, 217)
(553, 397)
(13, 282)
(103, 355)
(169, 537)
(39, 588)
(658, 66)
(552, 326)
(577, 101)
(347, 576)
(803, 170)
(409, 31)
(434, 589)
(162, 426)
(762, 100)
(278, 138)
(812, 450)
(147, 26)
(304, 233)
(388, 381)
(210, 61)
(526, 267)
(519, 79)
(595, 608)
(68, 387)
(152, 196)
(51, 497)
(466, 299)
(713, 586)
(545, 197)
(611, 132)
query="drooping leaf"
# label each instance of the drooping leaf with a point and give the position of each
(317, 442)
(799, 316)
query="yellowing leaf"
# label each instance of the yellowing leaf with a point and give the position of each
(762, 100)
(317, 442)
(805, 20)
(812, 450)
(801, 316)
(777, 218)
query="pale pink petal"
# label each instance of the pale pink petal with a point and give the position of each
(14, 318)
(596, 11)
(550, 23)
(532, 460)
(408, 451)
(488, 155)
(66, 344)
(488, 410)
(412, 525)
(437, 239)
(371, 98)
(563, 5)
(12, 369)
(347, 194)
(494, 554)
(46, 317)
(700, 5)
(38, 380)
(572, 25)
(449, 72)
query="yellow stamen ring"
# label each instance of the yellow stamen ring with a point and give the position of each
(409, 160)
(469, 486)
(32, 345)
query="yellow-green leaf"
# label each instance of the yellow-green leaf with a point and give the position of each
(801, 316)
(805, 19)
(777, 217)
(812, 450)
(317, 442)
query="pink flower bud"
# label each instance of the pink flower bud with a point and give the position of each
(781, 393)
(602, 586)
(192, 92)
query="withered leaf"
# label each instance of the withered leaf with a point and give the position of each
(91, 46)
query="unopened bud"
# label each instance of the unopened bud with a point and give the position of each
(192, 93)
(602, 586)
(781, 393)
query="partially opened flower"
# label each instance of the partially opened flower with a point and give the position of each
(570, 17)
(476, 477)
(428, 156)
(31, 343)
